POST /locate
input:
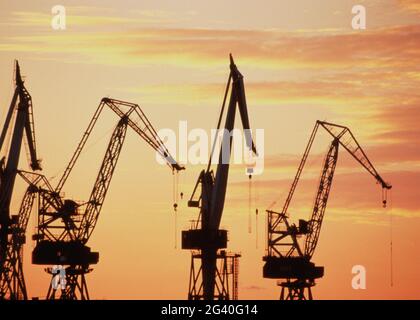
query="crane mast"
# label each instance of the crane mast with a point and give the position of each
(287, 258)
(321, 199)
(205, 238)
(12, 285)
(103, 180)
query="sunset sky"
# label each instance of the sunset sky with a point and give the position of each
(301, 61)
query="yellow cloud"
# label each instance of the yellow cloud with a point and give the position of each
(392, 48)
(40, 19)
(410, 5)
(98, 17)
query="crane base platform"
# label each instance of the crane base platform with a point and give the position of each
(196, 239)
(291, 268)
(63, 253)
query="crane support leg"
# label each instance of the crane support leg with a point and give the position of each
(299, 289)
(225, 284)
(12, 281)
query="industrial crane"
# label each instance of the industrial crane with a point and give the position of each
(19, 122)
(205, 239)
(64, 225)
(288, 257)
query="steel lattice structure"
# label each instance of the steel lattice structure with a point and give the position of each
(287, 257)
(65, 226)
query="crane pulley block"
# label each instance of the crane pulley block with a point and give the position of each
(193, 204)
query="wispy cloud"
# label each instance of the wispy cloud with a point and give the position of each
(410, 5)
(353, 195)
(396, 47)
(254, 287)
(40, 19)
(311, 92)
(403, 122)
(96, 18)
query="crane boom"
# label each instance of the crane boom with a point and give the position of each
(299, 171)
(78, 226)
(22, 101)
(321, 199)
(22, 127)
(137, 121)
(79, 148)
(349, 142)
(208, 238)
(220, 181)
(103, 180)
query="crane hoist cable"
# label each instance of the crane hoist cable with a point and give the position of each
(249, 204)
(384, 197)
(257, 199)
(256, 228)
(391, 241)
(175, 194)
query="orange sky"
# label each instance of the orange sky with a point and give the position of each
(301, 61)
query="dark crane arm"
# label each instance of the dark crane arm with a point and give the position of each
(23, 124)
(341, 136)
(344, 137)
(21, 102)
(209, 239)
(103, 180)
(220, 180)
(349, 142)
(136, 119)
(299, 172)
(321, 199)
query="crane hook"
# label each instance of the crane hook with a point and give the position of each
(384, 197)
